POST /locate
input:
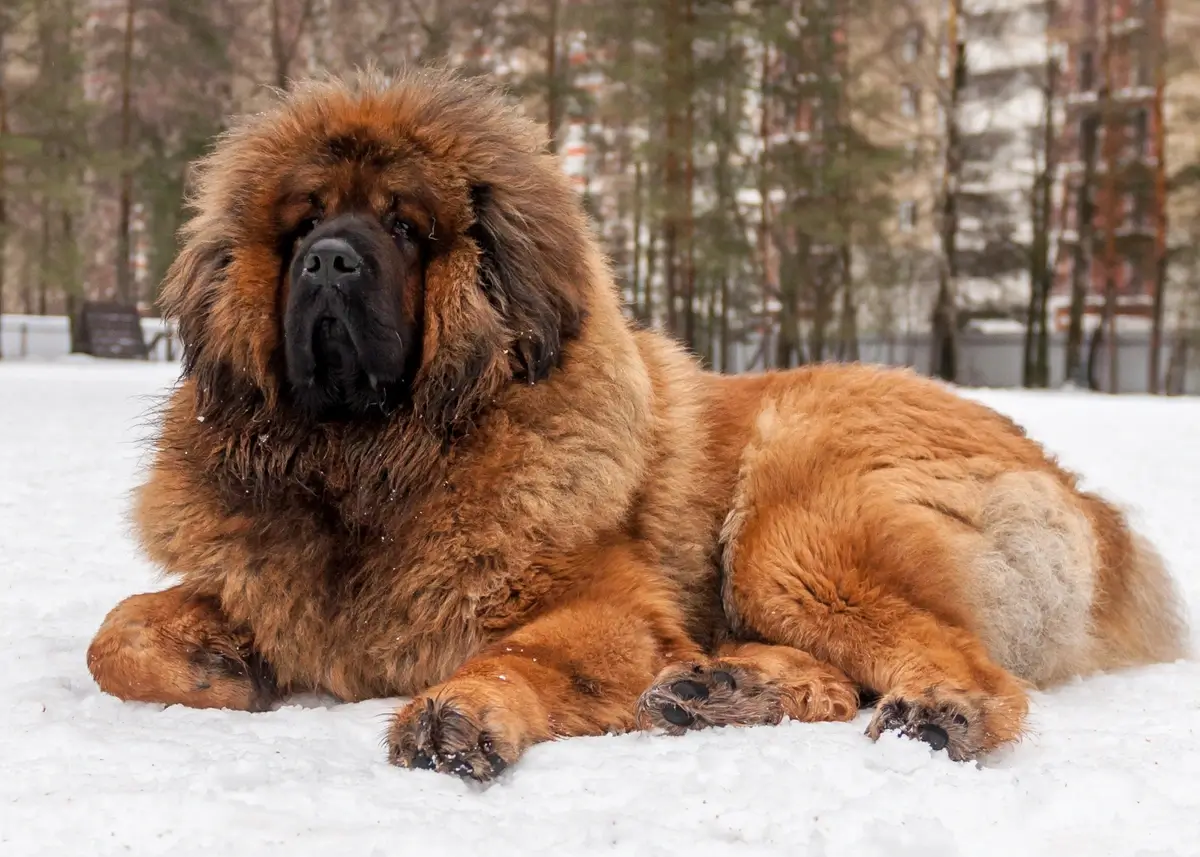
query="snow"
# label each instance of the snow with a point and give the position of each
(1110, 767)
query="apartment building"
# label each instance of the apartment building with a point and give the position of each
(1112, 206)
(1001, 120)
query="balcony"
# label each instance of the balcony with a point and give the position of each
(1126, 26)
(1082, 98)
(1127, 235)
(1125, 96)
(1133, 94)
(1127, 161)
(1139, 228)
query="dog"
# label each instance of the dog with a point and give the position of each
(417, 450)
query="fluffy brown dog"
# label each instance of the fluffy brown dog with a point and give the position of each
(418, 451)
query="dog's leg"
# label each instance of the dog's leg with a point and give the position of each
(576, 670)
(936, 680)
(174, 647)
(747, 684)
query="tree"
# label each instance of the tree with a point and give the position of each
(125, 206)
(49, 145)
(1082, 258)
(7, 15)
(828, 180)
(289, 20)
(1160, 196)
(1041, 275)
(944, 324)
(1107, 332)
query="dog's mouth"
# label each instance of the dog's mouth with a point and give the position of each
(335, 354)
(347, 339)
(322, 345)
(331, 365)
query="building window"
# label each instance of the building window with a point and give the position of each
(1089, 136)
(1145, 65)
(910, 101)
(1139, 204)
(1134, 282)
(912, 156)
(1087, 71)
(914, 37)
(908, 215)
(1141, 132)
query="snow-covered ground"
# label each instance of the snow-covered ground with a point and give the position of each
(1112, 766)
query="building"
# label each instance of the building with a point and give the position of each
(1111, 206)
(1001, 117)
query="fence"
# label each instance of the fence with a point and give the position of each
(985, 359)
(45, 337)
(995, 359)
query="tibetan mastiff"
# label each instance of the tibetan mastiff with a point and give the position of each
(418, 451)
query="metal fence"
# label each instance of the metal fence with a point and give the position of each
(45, 337)
(995, 359)
(985, 359)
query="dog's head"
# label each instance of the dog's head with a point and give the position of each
(370, 246)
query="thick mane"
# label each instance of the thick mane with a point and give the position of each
(256, 462)
(511, 273)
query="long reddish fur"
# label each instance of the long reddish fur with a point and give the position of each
(525, 559)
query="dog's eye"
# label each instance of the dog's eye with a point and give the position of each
(306, 226)
(401, 228)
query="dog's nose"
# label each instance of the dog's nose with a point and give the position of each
(332, 261)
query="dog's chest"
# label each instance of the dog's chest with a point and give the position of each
(369, 617)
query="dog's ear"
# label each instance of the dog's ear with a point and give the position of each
(189, 294)
(463, 360)
(531, 277)
(500, 305)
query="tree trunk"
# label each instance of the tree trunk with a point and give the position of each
(636, 276)
(670, 245)
(1036, 261)
(553, 96)
(44, 269)
(124, 272)
(689, 180)
(1093, 357)
(944, 327)
(673, 176)
(1037, 341)
(3, 168)
(1081, 261)
(822, 312)
(71, 286)
(787, 338)
(278, 55)
(725, 355)
(647, 314)
(710, 327)
(848, 334)
(283, 50)
(1176, 381)
(72, 311)
(1160, 198)
(847, 348)
(764, 198)
(789, 351)
(1112, 202)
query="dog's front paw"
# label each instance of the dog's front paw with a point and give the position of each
(696, 696)
(472, 729)
(952, 722)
